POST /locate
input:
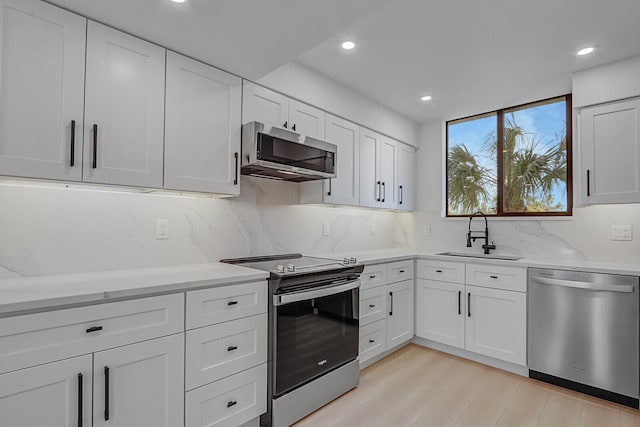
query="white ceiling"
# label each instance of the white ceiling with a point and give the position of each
(246, 37)
(475, 56)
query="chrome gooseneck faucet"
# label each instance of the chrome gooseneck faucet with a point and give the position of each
(470, 234)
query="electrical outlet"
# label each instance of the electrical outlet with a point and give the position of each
(427, 230)
(372, 229)
(326, 229)
(621, 232)
(162, 229)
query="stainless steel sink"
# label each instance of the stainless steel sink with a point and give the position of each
(490, 256)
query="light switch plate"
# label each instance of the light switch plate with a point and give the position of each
(427, 230)
(162, 229)
(326, 228)
(621, 232)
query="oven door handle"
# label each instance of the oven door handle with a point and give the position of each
(316, 293)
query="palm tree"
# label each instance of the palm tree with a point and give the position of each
(532, 171)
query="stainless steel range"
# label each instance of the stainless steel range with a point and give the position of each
(313, 332)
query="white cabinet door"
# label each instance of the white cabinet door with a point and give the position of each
(441, 312)
(124, 111)
(263, 105)
(406, 171)
(306, 120)
(610, 144)
(400, 313)
(48, 395)
(140, 384)
(41, 90)
(386, 157)
(344, 188)
(496, 323)
(202, 127)
(370, 185)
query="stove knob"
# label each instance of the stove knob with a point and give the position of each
(353, 260)
(280, 269)
(291, 268)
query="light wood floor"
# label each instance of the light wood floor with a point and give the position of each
(416, 386)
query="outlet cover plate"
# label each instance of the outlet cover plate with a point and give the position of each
(621, 232)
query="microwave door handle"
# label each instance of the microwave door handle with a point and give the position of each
(315, 293)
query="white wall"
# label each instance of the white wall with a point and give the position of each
(583, 236)
(54, 230)
(609, 82)
(297, 81)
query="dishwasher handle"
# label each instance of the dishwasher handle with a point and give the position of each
(583, 285)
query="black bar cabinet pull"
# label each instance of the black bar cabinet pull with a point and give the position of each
(459, 303)
(95, 146)
(285, 124)
(235, 180)
(293, 128)
(329, 192)
(106, 393)
(232, 302)
(588, 183)
(438, 271)
(379, 192)
(384, 192)
(469, 304)
(94, 329)
(401, 271)
(372, 277)
(372, 341)
(232, 347)
(401, 195)
(372, 305)
(231, 403)
(80, 404)
(72, 158)
(494, 277)
(391, 309)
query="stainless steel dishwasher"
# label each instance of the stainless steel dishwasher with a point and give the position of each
(583, 332)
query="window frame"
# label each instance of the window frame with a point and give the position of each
(500, 213)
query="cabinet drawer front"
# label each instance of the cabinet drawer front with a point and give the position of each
(441, 270)
(499, 277)
(401, 270)
(374, 275)
(221, 350)
(373, 305)
(33, 339)
(229, 402)
(209, 306)
(373, 340)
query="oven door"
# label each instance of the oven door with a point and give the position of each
(315, 332)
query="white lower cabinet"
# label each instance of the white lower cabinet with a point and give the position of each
(440, 315)
(491, 321)
(400, 318)
(140, 384)
(373, 339)
(497, 323)
(48, 395)
(228, 402)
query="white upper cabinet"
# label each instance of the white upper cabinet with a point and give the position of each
(378, 155)
(406, 169)
(124, 111)
(264, 105)
(202, 127)
(42, 54)
(610, 152)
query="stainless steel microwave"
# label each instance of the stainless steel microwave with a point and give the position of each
(276, 153)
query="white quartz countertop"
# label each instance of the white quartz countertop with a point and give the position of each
(41, 292)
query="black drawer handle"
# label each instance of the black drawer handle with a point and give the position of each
(372, 277)
(494, 277)
(232, 347)
(232, 303)
(231, 403)
(438, 271)
(371, 305)
(372, 341)
(401, 271)
(94, 329)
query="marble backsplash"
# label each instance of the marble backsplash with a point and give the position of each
(50, 229)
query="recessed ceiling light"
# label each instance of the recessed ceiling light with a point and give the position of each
(426, 98)
(585, 51)
(178, 1)
(348, 45)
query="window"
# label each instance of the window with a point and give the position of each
(511, 162)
